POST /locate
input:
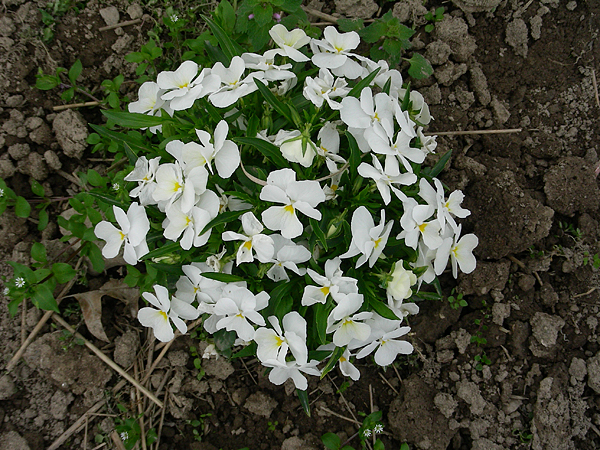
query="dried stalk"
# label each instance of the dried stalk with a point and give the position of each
(108, 361)
(467, 132)
(119, 25)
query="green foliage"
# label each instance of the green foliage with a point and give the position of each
(433, 17)
(371, 426)
(390, 40)
(458, 301)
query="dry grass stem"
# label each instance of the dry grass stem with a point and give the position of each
(121, 24)
(23, 321)
(104, 444)
(595, 83)
(117, 440)
(74, 106)
(388, 383)
(108, 361)
(156, 361)
(583, 294)
(348, 419)
(162, 419)
(140, 407)
(321, 15)
(467, 132)
(248, 370)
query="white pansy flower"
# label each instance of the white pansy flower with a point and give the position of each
(384, 181)
(375, 112)
(287, 255)
(173, 309)
(334, 283)
(415, 225)
(283, 371)
(223, 152)
(334, 53)
(266, 64)
(193, 286)
(144, 173)
(149, 101)
(253, 241)
(134, 227)
(460, 252)
(289, 42)
(428, 143)
(399, 287)
(233, 86)
(446, 209)
(368, 239)
(274, 343)
(302, 196)
(388, 347)
(345, 324)
(325, 88)
(171, 185)
(184, 85)
(238, 307)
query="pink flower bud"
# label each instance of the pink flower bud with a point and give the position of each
(277, 17)
(250, 16)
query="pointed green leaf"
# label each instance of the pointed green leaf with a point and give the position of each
(226, 217)
(133, 120)
(331, 441)
(22, 208)
(303, 397)
(280, 107)
(229, 47)
(38, 252)
(435, 171)
(224, 277)
(333, 359)
(41, 297)
(318, 232)
(63, 272)
(382, 309)
(75, 71)
(271, 151)
(365, 82)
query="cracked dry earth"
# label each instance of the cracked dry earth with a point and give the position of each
(499, 65)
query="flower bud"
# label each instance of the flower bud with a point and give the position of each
(399, 287)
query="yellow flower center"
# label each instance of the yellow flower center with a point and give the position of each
(164, 316)
(325, 290)
(422, 227)
(248, 245)
(289, 209)
(279, 341)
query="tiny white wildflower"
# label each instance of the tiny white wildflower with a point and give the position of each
(20, 282)
(1, 192)
(116, 186)
(6, 291)
(367, 433)
(124, 436)
(378, 428)
(174, 17)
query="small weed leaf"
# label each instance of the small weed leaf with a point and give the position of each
(331, 441)
(75, 71)
(419, 67)
(22, 208)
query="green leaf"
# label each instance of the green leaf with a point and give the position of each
(121, 138)
(47, 82)
(135, 57)
(63, 272)
(378, 445)
(224, 277)
(43, 218)
(281, 302)
(38, 252)
(94, 178)
(428, 295)
(393, 47)
(280, 107)
(227, 14)
(41, 296)
(315, 225)
(109, 200)
(229, 47)
(37, 188)
(350, 24)
(266, 148)
(226, 217)
(419, 67)
(133, 120)
(95, 255)
(321, 313)
(373, 32)
(22, 208)
(382, 309)
(263, 14)
(248, 350)
(435, 171)
(365, 82)
(303, 397)
(333, 359)
(171, 247)
(354, 152)
(75, 71)
(331, 441)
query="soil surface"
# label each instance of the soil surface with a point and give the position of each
(533, 299)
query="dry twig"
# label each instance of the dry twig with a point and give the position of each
(74, 106)
(595, 87)
(108, 361)
(119, 25)
(467, 132)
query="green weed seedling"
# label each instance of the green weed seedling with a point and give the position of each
(198, 426)
(370, 427)
(458, 301)
(433, 18)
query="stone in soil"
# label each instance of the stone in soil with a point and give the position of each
(260, 404)
(13, 441)
(551, 417)
(71, 133)
(362, 9)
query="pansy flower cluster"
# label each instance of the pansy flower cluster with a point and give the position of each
(288, 206)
